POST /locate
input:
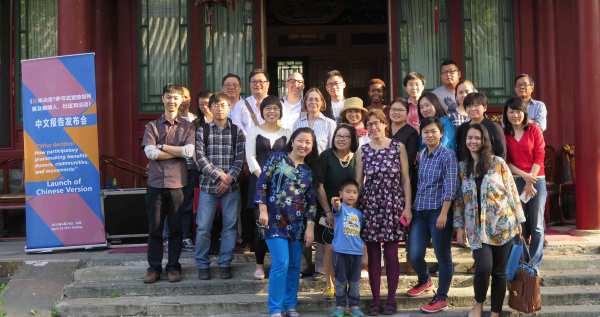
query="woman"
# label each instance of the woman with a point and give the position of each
(488, 210)
(260, 143)
(381, 169)
(404, 132)
(313, 117)
(461, 116)
(430, 107)
(336, 165)
(435, 192)
(286, 199)
(353, 114)
(525, 147)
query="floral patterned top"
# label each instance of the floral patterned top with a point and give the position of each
(501, 209)
(289, 194)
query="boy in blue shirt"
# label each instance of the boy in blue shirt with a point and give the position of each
(348, 249)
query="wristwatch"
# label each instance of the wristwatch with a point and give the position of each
(160, 146)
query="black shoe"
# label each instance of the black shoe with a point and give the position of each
(204, 274)
(225, 273)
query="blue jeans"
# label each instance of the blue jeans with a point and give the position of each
(534, 226)
(230, 203)
(347, 279)
(284, 275)
(422, 229)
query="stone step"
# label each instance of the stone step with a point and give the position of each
(190, 285)
(134, 270)
(571, 297)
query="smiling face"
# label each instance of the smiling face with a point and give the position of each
(414, 88)
(203, 105)
(232, 88)
(172, 101)
(462, 91)
(515, 117)
(342, 140)
(426, 108)
(295, 84)
(353, 116)
(271, 113)
(259, 85)
(220, 110)
(398, 113)
(349, 194)
(431, 135)
(313, 103)
(476, 112)
(524, 88)
(375, 127)
(302, 144)
(335, 87)
(376, 93)
(474, 140)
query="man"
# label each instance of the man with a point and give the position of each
(232, 87)
(376, 94)
(204, 113)
(167, 142)
(536, 110)
(335, 86)
(450, 76)
(476, 105)
(246, 113)
(414, 84)
(292, 103)
(220, 155)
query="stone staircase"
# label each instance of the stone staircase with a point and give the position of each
(113, 287)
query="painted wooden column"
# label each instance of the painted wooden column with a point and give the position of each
(587, 116)
(75, 21)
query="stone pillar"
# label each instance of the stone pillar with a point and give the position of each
(587, 116)
(75, 21)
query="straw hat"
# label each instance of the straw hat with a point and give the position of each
(353, 103)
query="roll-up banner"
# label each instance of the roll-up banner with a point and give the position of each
(62, 171)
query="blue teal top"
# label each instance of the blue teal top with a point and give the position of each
(449, 135)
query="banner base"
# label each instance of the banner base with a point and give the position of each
(74, 247)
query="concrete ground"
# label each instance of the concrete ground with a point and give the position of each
(36, 281)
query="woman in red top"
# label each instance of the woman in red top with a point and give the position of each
(525, 146)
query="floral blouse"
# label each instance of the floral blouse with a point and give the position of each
(289, 194)
(501, 209)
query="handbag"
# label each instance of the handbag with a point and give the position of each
(524, 290)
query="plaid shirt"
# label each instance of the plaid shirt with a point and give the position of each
(218, 156)
(458, 119)
(438, 178)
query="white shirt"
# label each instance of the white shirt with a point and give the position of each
(336, 107)
(240, 115)
(291, 113)
(323, 128)
(251, 144)
(190, 117)
(446, 98)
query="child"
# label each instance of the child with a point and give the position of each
(348, 249)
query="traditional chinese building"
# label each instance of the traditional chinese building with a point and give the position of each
(141, 45)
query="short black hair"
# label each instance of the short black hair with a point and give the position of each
(524, 75)
(172, 88)
(271, 100)
(257, 71)
(349, 182)
(231, 75)
(204, 94)
(447, 62)
(353, 136)
(514, 103)
(475, 98)
(412, 76)
(433, 120)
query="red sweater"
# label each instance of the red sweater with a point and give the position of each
(527, 151)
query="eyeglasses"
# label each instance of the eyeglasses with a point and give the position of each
(258, 82)
(335, 83)
(373, 123)
(295, 81)
(340, 136)
(450, 71)
(397, 110)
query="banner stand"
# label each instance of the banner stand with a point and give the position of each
(77, 247)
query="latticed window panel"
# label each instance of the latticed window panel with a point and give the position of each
(229, 43)
(37, 35)
(162, 49)
(489, 47)
(284, 69)
(424, 38)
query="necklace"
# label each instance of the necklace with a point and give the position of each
(344, 163)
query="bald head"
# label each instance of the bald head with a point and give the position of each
(295, 84)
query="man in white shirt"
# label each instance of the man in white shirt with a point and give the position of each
(231, 85)
(335, 88)
(246, 112)
(450, 76)
(292, 103)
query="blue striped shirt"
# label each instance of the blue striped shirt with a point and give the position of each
(323, 128)
(536, 111)
(438, 178)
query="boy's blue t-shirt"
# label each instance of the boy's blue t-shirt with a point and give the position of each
(346, 234)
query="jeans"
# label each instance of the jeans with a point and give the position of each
(423, 229)
(207, 206)
(284, 275)
(347, 279)
(534, 226)
(163, 204)
(491, 260)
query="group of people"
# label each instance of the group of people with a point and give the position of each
(355, 179)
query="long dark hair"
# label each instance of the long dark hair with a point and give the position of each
(485, 153)
(313, 157)
(514, 103)
(439, 110)
(353, 136)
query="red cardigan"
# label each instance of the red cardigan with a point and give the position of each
(527, 151)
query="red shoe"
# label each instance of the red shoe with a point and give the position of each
(420, 288)
(436, 305)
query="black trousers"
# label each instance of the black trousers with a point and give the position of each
(491, 260)
(161, 204)
(187, 207)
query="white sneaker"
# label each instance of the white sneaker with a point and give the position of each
(259, 274)
(188, 245)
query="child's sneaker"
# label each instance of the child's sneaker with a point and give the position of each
(356, 312)
(338, 312)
